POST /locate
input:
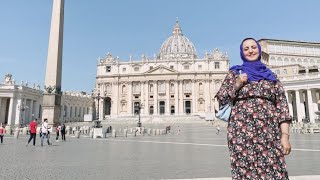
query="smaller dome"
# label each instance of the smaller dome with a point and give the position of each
(177, 46)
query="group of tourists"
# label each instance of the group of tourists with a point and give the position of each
(45, 132)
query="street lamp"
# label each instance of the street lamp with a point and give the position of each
(139, 106)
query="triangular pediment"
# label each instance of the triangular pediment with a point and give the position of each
(161, 70)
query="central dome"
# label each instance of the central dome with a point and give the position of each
(177, 46)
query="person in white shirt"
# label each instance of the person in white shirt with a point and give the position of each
(45, 131)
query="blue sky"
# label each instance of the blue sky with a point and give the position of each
(126, 27)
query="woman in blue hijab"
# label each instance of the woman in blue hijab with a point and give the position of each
(258, 127)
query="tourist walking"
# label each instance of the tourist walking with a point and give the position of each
(45, 132)
(258, 127)
(58, 128)
(63, 132)
(33, 131)
(2, 132)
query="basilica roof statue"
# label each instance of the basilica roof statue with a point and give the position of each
(177, 46)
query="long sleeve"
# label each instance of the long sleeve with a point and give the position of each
(227, 91)
(282, 104)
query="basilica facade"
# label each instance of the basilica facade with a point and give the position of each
(174, 82)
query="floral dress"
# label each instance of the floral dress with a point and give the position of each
(254, 128)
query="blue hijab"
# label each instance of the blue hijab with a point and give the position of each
(255, 70)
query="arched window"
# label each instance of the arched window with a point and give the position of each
(286, 61)
(299, 61)
(272, 61)
(279, 61)
(305, 62)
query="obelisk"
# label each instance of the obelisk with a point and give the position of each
(52, 91)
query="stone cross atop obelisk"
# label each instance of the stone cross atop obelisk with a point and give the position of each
(52, 91)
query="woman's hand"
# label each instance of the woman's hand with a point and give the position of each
(286, 146)
(242, 79)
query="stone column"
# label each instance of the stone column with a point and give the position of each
(31, 111)
(52, 99)
(155, 102)
(181, 101)
(310, 106)
(302, 100)
(194, 98)
(315, 100)
(129, 98)
(115, 99)
(23, 112)
(298, 105)
(289, 100)
(146, 102)
(36, 109)
(167, 84)
(142, 95)
(207, 98)
(176, 97)
(19, 112)
(101, 108)
(11, 113)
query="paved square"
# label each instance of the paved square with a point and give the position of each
(197, 152)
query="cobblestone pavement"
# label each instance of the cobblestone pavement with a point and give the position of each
(196, 152)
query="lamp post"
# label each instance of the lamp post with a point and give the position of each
(139, 106)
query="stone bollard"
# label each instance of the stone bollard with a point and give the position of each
(149, 132)
(91, 133)
(77, 134)
(24, 131)
(8, 130)
(16, 133)
(125, 133)
(73, 130)
(114, 133)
